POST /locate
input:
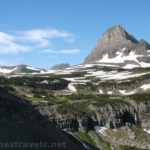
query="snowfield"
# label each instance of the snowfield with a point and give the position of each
(122, 59)
(6, 71)
(145, 87)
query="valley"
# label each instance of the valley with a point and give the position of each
(103, 103)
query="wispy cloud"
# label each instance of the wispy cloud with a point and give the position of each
(8, 45)
(43, 36)
(24, 41)
(67, 51)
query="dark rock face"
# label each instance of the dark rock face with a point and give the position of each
(115, 39)
(60, 66)
(110, 115)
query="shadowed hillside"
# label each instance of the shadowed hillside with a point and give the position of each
(23, 127)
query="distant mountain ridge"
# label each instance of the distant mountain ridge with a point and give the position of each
(19, 69)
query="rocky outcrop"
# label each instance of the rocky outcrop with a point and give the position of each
(112, 115)
(60, 66)
(122, 119)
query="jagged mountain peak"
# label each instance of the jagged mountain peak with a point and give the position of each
(117, 34)
(113, 41)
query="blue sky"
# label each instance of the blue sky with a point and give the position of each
(42, 33)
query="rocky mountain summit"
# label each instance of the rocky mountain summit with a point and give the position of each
(117, 46)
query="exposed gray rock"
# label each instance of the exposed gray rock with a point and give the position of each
(60, 66)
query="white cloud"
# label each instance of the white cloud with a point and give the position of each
(24, 41)
(5, 37)
(8, 44)
(43, 36)
(67, 51)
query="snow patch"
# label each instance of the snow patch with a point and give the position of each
(130, 66)
(144, 65)
(120, 58)
(147, 131)
(31, 68)
(77, 80)
(145, 86)
(109, 92)
(4, 70)
(124, 92)
(100, 130)
(45, 82)
(101, 91)
(71, 87)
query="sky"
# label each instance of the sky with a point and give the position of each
(41, 33)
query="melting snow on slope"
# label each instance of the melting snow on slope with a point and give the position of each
(71, 87)
(100, 130)
(4, 70)
(77, 80)
(130, 66)
(101, 91)
(109, 92)
(124, 92)
(120, 58)
(147, 130)
(31, 68)
(145, 86)
(144, 65)
(114, 75)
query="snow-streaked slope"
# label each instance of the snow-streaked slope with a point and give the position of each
(145, 87)
(123, 59)
(125, 92)
(7, 70)
(115, 75)
(77, 80)
(130, 66)
(71, 87)
(120, 57)
(32, 68)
